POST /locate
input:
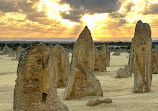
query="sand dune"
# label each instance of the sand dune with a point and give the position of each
(119, 90)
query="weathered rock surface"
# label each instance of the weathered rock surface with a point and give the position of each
(11, 53)
(154, 62)
(62, 63)
(123, 73)
(102, 58)
(19, 52)
(100, 61)
(35, 88)
(5, 50)
(142, 49)
(131, 58)
(97, 102)
(106, 51)
(81, 80)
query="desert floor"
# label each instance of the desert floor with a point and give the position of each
(119, 90)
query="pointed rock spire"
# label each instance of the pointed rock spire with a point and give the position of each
(81, 80)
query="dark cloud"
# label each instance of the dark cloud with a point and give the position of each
(119, 18)
(151, 9)
(117, 15)
(25, 7)
(116, 24)
(32, 14)
(8, 6)
(123, 14)
(73, 15)
(81, 7)
(129, 6)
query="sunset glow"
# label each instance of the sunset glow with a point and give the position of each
(64, 19)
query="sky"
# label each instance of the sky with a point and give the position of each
(108, 20)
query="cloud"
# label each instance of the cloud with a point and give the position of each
(82, 7)
(124, 13)
(151, 9)
(116, 24)
(33, 15)
(24, 7)
(73, 15)
(119, 18)
(8, 6)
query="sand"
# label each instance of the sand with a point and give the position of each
(119, 90)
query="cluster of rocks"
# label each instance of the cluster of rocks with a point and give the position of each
(11, 53)
(5, 50)
(42, 69)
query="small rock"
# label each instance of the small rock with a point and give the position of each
(107, 100)
(97, 102)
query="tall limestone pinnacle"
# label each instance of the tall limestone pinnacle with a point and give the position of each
(81, 80)
(141, 56)
(83, 47)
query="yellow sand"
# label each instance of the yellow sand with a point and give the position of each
(119, 90)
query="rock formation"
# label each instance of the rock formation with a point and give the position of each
(100, 61)
(11, 53)
(81, 80)
(97, 102)
(5, 50)
(19, 52)
(62, 63)
(142, 48)
(154, 62)
(123, 73)
(35, 88)
(106, 51)
(102, 58)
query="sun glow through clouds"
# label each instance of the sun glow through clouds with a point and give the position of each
(61, 18)
(53, 9)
